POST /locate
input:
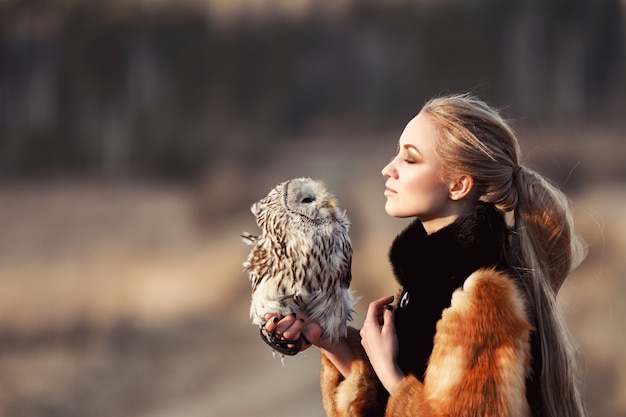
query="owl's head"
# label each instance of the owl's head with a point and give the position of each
(306, 198)
(309, 199)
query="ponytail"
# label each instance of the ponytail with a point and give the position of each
(543, 250)
(544, 228)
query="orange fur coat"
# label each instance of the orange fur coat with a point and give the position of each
(478, 365)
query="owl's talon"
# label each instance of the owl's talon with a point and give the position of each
(279, 345)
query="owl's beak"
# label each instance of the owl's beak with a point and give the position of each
(331, 203)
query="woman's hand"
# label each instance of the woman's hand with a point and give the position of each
(297, 325)
(378, 337)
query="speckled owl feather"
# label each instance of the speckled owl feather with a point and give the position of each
(301, 260)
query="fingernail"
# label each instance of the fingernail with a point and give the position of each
(275, 319)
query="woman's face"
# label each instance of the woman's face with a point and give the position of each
(414, 184)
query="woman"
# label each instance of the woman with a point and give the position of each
(475, 330)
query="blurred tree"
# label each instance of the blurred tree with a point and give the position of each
(136, 88)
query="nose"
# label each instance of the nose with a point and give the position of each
(389, 170)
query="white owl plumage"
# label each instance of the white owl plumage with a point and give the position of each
(302, 259)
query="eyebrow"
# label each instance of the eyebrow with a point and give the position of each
(409, 146)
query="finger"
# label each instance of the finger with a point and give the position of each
(388, 323)
(285, 323)
(374, 311)
(293, 331)
(272, 322)
(270, 316)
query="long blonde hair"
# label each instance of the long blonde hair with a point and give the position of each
(474, 139)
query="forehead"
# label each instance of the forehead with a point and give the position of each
(419, 132)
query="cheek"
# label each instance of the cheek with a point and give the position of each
(426, 192)
(425, 182)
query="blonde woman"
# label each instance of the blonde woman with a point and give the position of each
(475, 329)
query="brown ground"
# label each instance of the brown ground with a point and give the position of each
(129, 299)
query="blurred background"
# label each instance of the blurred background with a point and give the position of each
(135, 134)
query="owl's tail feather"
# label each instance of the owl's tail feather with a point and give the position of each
(248, 239)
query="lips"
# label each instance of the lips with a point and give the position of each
(390, 191)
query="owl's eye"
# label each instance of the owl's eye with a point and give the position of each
(307, 200)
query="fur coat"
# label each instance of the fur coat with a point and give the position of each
(462, 325)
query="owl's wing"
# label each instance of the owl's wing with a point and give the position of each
(346, 276)
(258, 265)
(258, 276)
(345, 280)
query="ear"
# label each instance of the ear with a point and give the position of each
(461, 187)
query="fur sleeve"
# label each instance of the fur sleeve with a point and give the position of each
(480, 356)
(355, 396)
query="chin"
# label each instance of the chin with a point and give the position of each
(395, 212)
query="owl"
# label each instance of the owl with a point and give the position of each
(302, 258)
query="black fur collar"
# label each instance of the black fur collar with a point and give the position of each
(472, 241)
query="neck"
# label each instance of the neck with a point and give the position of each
(455, 210)
(433, 225)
